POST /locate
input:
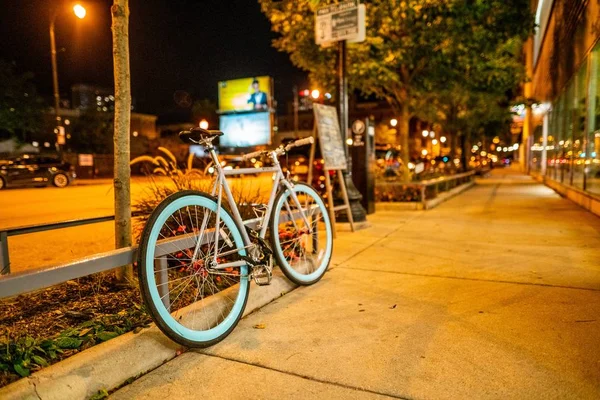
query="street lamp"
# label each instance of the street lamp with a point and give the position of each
(80, 12)
(393, 122)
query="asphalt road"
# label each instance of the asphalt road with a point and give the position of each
(84, 199)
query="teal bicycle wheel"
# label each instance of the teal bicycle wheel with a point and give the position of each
(193, 300)
(302, 246)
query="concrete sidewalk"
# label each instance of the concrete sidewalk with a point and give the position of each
(494, 294)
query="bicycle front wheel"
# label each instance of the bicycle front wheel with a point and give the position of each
(301, 234)
(193, 279)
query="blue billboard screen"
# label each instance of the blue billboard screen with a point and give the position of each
(245, 130)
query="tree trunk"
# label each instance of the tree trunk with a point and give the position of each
(404, 130)
(120, 30)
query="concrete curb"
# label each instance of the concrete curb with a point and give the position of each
(429, 204)
(110, 364)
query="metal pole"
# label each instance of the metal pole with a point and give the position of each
(296, 106)
(544, 160)
(358, 212)
(54, 73)
(343, 92)
(4, 260)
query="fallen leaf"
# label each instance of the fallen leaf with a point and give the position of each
(392, 307)
(361, 310)
(259, 326)
(84, 332)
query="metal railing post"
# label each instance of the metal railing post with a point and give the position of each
(4, 260)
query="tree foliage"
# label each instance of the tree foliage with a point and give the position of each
(21, 109)
(416, 52)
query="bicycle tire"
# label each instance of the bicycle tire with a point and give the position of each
(161, 223)
(293, 250)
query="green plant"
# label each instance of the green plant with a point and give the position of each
(25, 354)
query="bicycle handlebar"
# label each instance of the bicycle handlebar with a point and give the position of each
(300, 142)
(279, 150)
(254, 154)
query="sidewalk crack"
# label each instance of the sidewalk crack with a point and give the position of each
(310, 378)
(32, 380)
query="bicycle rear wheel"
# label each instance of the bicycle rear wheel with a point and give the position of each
(302, 247)
(192, 300)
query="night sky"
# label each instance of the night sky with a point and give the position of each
(177, 45)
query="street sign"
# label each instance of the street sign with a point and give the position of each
(337, 22)
(358, 127)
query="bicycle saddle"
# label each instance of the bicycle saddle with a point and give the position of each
(198, 134)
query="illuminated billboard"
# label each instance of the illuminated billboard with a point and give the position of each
(246, 94)
(245, 129)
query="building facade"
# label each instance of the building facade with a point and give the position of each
(563, 124)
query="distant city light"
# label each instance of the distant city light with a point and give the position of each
(443, 139)
(204, 124)
(349, 141)
(315, 94)
(425, 133)
(135, 133)
(35, 144)
(432, 134)
(434, 142)
(328, 96)
(393, 122)
(505, 149)
(424, 152)
(67, 122)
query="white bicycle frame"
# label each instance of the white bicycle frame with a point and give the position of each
(221, 185)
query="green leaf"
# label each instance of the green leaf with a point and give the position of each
(68, 342)
(104, 336)
(87, 324)
(101, 394)
(39, 361)
(21, 370)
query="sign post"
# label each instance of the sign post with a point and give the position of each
(340, 22)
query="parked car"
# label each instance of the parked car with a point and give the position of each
(35, 170)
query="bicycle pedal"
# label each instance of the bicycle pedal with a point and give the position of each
(262, 275)
(263, 279)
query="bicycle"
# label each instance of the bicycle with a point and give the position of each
(196, 257)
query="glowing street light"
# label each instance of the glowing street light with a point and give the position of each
(434, 142)
(204, 124)
(79, 11)
(425, 133)
(443, 139)
(393, 122)
(315, 94)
